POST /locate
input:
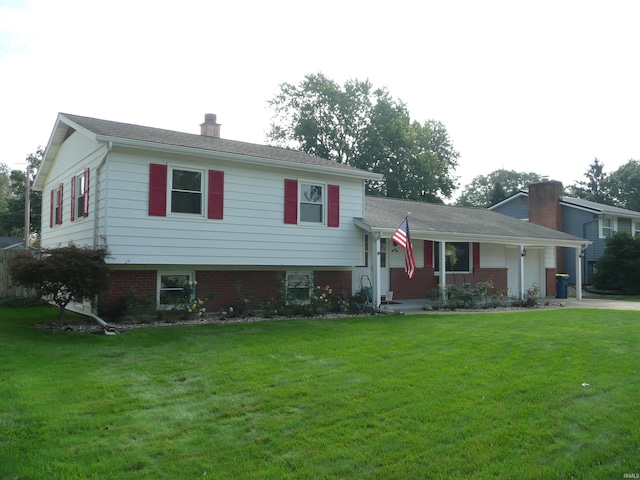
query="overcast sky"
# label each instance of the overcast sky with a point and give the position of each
(537, 86)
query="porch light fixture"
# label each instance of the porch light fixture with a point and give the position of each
(524, 252)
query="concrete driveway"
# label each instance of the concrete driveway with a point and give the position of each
(417, 306)
(599, 303)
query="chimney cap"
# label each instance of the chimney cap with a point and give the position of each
(210, 117)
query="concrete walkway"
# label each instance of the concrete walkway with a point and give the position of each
(417, 305)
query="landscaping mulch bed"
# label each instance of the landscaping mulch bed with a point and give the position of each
(130, 323)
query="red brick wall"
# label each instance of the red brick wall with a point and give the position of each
(228, 287)
(339, 281)
(425, 280)
(419, 286)
(497, 275)
(141, 282)
(551, 282)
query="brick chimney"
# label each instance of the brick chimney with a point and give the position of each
(210, 128)
(544, 204)
(545, 210)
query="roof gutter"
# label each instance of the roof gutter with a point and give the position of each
(470, 237)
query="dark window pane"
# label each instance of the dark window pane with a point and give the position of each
(183, 202)
(462, 254)
(185, 180)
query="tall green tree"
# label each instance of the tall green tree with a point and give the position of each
(595, 187)
(12, 217)
(487, 190)
(366, 128)
(623, 186)
(5, 190)
(618, 269)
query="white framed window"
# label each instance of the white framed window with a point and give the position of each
(80, 192)
(635, 228)
(57, 199)
(383, 253)
(607, 226)
(186, 192)
(366, 250)
(312, 200)
(175, 288)
(299, 286)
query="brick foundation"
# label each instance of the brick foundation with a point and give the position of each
(225, 288)
(143, 283)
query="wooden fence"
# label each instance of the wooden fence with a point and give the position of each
(7, 287)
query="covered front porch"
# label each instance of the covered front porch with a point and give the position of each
(515, 256)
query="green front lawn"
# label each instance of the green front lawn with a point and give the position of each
(451, 396)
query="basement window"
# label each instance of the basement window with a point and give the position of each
(175, 288)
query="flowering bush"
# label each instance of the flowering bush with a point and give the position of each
(188, 303)
(530, 297)
(321, 300)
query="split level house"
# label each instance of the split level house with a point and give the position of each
(544, 204)
(240, 218)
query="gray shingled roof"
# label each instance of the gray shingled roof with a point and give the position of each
(581, 203)
(118, 130)
(433, 221)
(598, 207)
(10, 241)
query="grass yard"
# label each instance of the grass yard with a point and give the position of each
(442, 396)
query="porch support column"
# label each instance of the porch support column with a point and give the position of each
(521, 270)
(579, 273)
(377, 293)
(443, 271)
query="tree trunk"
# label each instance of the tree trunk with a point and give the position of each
(61, 314)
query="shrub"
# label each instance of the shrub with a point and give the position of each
(618, 269)
(321, 301)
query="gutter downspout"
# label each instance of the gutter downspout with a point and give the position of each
(94, 305)
(97, 202)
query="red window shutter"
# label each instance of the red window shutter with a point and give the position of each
(476, 255)
(428, 254)
(73, 198)
(85, 200)
(333, 218)
(157, 190)
(60, 198)
(52, 208)
(290, 201)
(216, 195)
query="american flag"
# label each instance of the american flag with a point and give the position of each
(403, 238)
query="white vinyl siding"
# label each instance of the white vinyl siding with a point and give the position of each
(252, 232)
(77, 151)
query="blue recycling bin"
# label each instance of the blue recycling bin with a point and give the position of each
(562, 285)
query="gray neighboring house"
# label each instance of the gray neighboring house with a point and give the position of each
(544, 204)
